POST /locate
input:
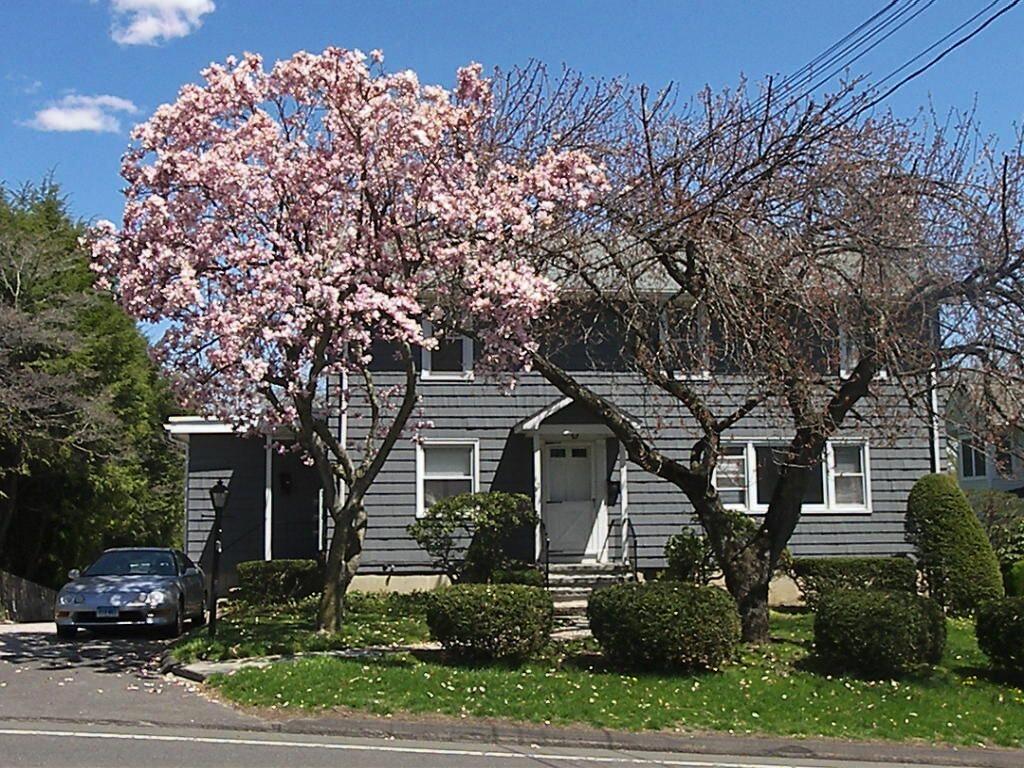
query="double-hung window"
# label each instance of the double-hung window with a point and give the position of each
(848, 475)
(973, 462)
(731, 476)
(748, 471)
(683, 342)
(451, 359)
(445, 468)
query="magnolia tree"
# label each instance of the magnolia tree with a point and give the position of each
(284, 224)
(803, 265)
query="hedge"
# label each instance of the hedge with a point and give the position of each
(999, 627)
(531, 577)
(1013, 579)
(879, 634)
(955, 556)
(279, 581)
(820, 576)
(664, 625)
(491, 621)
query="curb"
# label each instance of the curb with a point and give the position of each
(443, 729)
(170, 666)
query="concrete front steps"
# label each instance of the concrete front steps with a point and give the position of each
(570, 585)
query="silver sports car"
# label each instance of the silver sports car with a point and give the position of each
(144, 587)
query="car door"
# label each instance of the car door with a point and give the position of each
(192, 583)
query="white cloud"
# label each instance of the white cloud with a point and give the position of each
(75, 112)
(148, 22)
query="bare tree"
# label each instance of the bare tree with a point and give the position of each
(831, 265)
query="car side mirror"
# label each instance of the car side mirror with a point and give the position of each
(74, 573)
(191, 571)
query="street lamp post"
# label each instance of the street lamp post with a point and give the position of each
(219, 499)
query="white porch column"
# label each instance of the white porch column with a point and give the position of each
(268, 499)
(537, 500)
(623, 502)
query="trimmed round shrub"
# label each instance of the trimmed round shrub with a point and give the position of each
(279, 581)
(879, 634)
(664, 625)
(955, 556)
(491, 621)
(818, 577)
(999, 627)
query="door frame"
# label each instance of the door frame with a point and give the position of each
(595, 551)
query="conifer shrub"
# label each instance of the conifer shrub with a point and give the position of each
(818, 577)
(954, 554)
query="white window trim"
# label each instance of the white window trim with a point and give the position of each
(747, 473)
(699, 374)
(865, 459)
(844, 373)
(428, 374)
(755, 506)
(965, 445)
(421, 466)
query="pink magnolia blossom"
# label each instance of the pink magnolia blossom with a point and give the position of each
(278, 222)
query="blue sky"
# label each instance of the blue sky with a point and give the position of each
(75, 74)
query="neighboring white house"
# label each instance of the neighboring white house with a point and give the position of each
(993, 466)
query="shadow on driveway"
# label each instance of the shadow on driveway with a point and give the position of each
(97, 678)
(37, 645)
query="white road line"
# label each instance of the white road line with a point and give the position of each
(405, 750)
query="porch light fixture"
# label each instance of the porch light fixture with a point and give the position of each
(219, 499)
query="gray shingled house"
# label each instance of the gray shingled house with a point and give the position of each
(596, 506)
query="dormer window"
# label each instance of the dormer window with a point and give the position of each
(683, 342)
(849, 357)
(451, 360)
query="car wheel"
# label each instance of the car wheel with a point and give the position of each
(65, 632)
(199, 620)
(177, 627)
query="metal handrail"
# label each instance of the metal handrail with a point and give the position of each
(630, 532)
(607, 539)
(545, 553)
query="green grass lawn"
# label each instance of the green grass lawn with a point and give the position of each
(245, 630)
(774, 690)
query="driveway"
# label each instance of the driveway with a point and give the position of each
(97, 679)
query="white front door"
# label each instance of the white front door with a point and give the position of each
(572, 505)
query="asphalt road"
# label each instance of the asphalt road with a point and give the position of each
(100, 701)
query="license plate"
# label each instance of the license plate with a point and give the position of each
(106, 612)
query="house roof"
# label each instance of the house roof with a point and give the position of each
(534, 421)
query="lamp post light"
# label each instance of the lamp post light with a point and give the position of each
(219, 498)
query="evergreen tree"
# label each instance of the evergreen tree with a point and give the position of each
(84, 460)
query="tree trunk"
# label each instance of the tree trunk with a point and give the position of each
(343, 556)
(747, 576)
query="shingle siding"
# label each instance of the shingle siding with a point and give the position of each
(480, 410)
(239, 462)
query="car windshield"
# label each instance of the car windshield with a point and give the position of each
(132, 563)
